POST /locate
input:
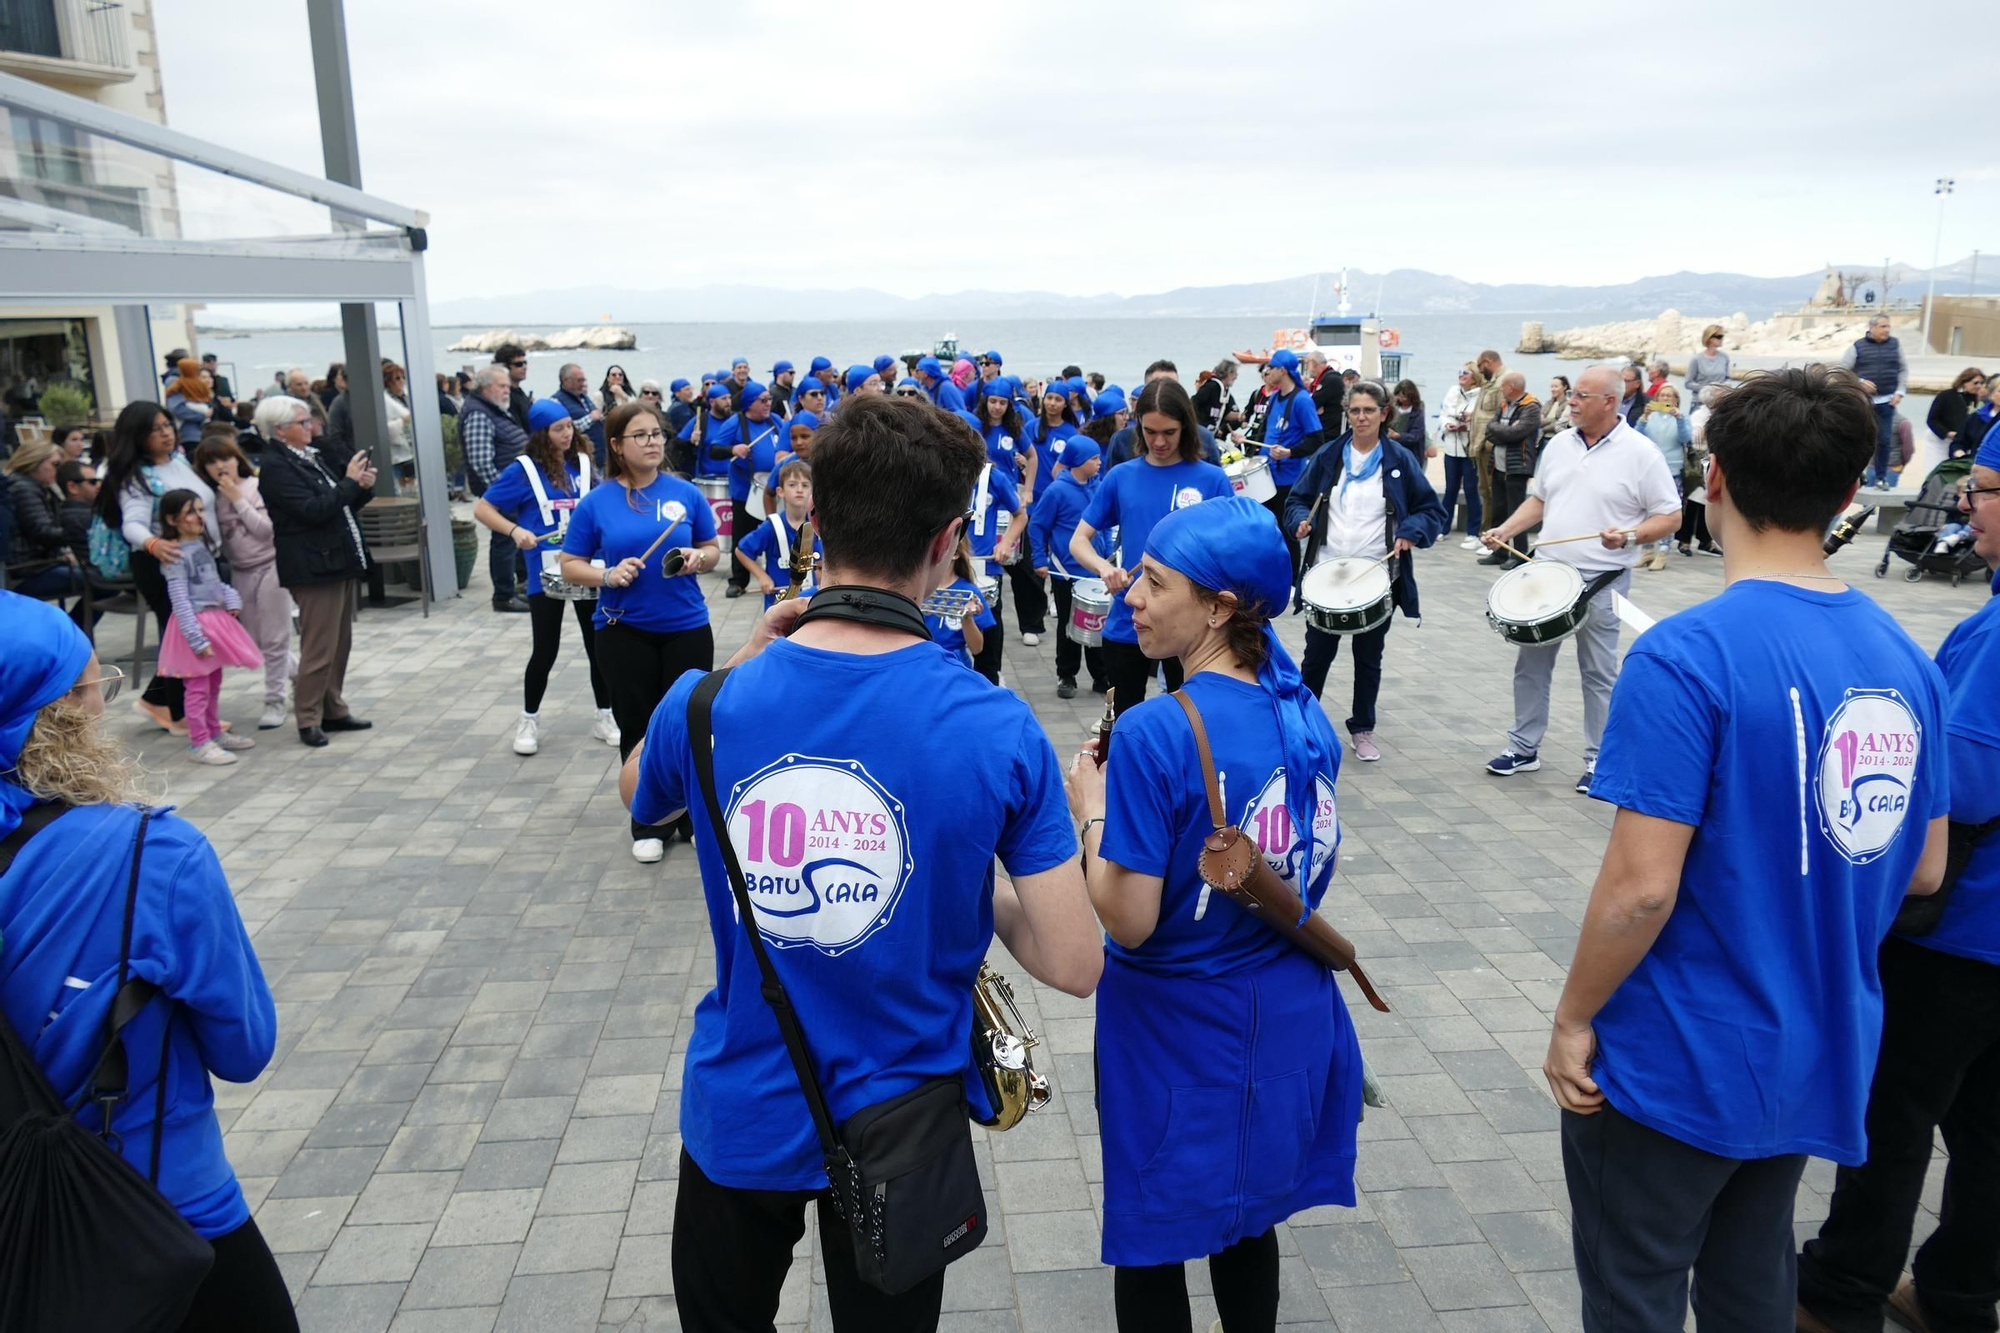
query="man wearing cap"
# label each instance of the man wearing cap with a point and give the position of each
(573, 394)
(782, 376)
(943, 393)
(749, 441)
(702, 428)
(739, 375)
(1291, 431)
(862, 379)
(681, 410)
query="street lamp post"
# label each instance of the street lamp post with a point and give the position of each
(1941, 190)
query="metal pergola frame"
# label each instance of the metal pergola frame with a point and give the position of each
(350, 267)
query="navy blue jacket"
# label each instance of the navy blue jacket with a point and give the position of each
(1414, 510)
(579, 413)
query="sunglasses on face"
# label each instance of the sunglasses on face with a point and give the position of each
(518, 365)
(908, 393)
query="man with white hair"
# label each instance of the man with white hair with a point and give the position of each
(1328, 390)
(573, 392)
(1878, 360)
(492, 441)
(1599, 476)
(298, 385)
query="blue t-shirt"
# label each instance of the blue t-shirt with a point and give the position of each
(1156, 817)
(607, 526)
(761, 543)
(949, 634)
(1970, 660)
(1002, 451)
(514, 496)
(1042, 436)
(766, 438)
(875, 896)
(1801, 734)
(999, 498)
(1132, 499)
(62, 912)
(1288, 420)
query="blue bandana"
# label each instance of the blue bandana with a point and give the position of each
(45, 654)
(1989, 452)
(1349, 472)
(1233, 545)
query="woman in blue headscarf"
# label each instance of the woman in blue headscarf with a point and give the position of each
(1228, 1075)
(72, 822)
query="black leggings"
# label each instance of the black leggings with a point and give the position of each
(1031, 603)
(1070, 653)
(1245, 1277)
(1127, 670)
(545, 619)
(1694, 524)
(162, 691)
(987, 660)
(640, 666)
(243, 1291)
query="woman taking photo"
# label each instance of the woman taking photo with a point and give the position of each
(1168, 475)
(653, 534)
(616, 390)
(530, 504)
(67, 791)
(1461, 474)
(145, 462)
(1229, 1077)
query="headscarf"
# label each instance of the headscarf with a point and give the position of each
(1107, 404)
(858, 376)
(189, 385)
(1233, 545)
(45, 654)
(1989, 452)
(962, 372)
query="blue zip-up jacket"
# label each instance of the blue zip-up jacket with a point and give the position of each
(1052, 522)
(62, 910)
(766, 438)
(1414, 510)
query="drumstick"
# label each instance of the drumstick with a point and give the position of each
(1511, 551)
(664, 532)
(1311, 515)
(1583, 537)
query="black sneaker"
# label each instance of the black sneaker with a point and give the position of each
(733, 590)
(1065, 689)
(1583, 783)
(516, 603)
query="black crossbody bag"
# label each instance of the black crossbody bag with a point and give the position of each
(90, 1242)
(901, 1172)
(1918, 917)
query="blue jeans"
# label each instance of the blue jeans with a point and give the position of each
(501, 554)
(1885, 440)
(1461, 472)
(57, 581)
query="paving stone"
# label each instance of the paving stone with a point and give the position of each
(1462, 1277)
(373, 1254)
(349, 1309)
(553, 1303)
(1424, 1217)
(1395, 1308)
(571, 1244)
(588, 1187)
(479, 1320)
(1529, 1242)
(487, 1217)
(1346, 1256)
(460, 1275)
(416, 1196)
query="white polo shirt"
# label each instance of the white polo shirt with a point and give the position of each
(1619, 482)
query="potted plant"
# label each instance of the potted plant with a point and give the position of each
(65, 405)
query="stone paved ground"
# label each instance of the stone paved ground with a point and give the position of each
(484, 1002)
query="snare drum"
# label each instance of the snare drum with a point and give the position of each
(1348, 595)
(1252, 477)
(1014, 557)
(1089, 604)
(715, 490)
(989, 591)
(1537, 603)
(758, 482)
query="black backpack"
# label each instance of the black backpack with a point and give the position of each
(90, 1243)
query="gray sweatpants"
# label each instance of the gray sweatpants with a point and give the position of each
(1597, 662)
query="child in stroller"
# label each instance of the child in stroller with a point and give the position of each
(1931, 536)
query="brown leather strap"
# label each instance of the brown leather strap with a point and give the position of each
(1215, 815)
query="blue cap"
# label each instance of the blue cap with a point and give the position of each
(912, 382)
(739, 361)
(858, 376)
(751, 392)
(932, 367)
(811, 384)
(722, 374)
(1107, 404)
(1076, 384)
(806, 419)
(546, 412)
(1287, 360)
(707, 377)
(677, 386)
(781, 367)
(820, 363)
(883, 363)
(718, 391)
(1989, 451)
(999, 387)
(994, 357)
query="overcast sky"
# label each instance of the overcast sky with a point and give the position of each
(1122, 147)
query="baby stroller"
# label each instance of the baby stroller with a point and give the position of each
(1932, 536)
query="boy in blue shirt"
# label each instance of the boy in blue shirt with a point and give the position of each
(1940, 1060)
(766, 550)
(1777, 755)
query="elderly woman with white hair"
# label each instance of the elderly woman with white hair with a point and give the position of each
(320, 554)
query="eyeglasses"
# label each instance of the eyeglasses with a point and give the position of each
(813, 393)
(1577, 396)
(908, 393)
(109, 678)
(1364, 411)
(649, 393)
(1969, 492)
(518, 365)
(644, 437)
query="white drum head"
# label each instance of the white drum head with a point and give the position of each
(1090, 592)
(1535, 591)
(1346, 584)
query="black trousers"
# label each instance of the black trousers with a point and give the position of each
(1127, 670)
(244, 1290)
(545, 617)
(1509, 491)
(639, 667)
(1031, 603)
(733, 1247)
(1069, 653)
(987, 660)
(1645, 1209)
(161, 691)
(503, 561)
(1245, 1278)
(1322, 648)
(1939, 1068)
(1694, 523)
(1276, 504)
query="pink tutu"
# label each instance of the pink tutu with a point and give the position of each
(232, 644)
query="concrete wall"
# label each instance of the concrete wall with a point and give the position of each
(1975, 320)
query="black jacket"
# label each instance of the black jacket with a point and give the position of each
(1414, 511)
(312, 519)
(1211, 403)
(38, 529)
(1328, 396)
(1949, 411)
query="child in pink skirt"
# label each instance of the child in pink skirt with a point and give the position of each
(204, 637)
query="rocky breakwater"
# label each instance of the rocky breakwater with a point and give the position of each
(1804, 335)
(603, 337)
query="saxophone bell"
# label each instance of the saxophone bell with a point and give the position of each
(1001, 1051)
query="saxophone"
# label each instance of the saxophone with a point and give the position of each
(804, 561)
(1001, 1055)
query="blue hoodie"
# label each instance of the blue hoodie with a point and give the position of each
(1058, 509)
(62, 905)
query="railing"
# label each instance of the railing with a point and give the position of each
(86, 32)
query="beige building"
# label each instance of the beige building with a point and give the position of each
(55, 177)
(1966, 326)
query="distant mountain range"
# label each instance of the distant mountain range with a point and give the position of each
(1401, 292)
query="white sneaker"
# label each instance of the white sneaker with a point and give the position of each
(527, 735)
(211, 753)
(605, 728)
(648, 850)
(1471, 544)
(231, 741)
(273, 716)
(1031, 639)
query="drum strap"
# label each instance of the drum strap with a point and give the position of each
(777, 522)
(527, 465)
(980, 496)
(866, 606)
(1598, 585)
(1234, 865)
